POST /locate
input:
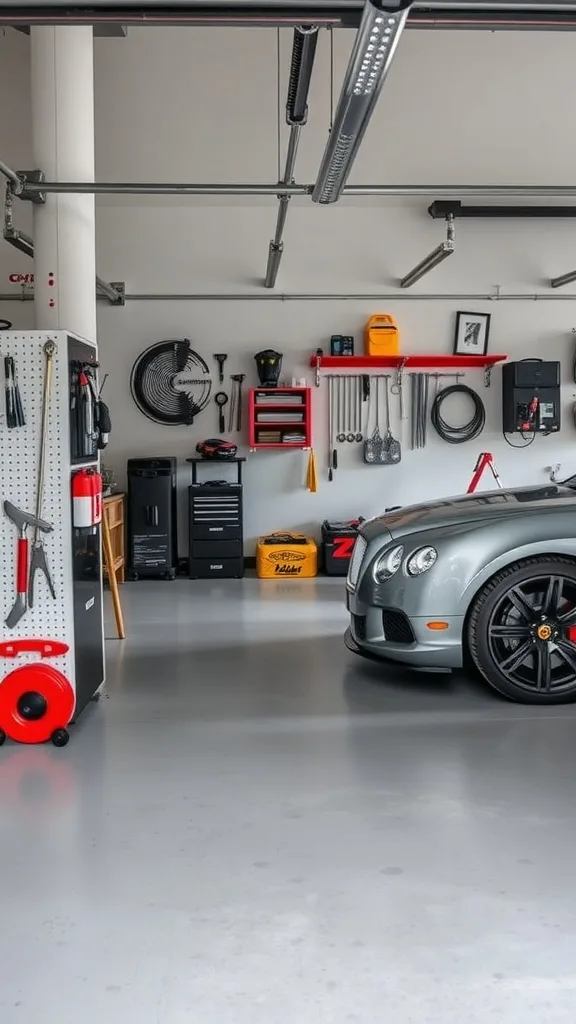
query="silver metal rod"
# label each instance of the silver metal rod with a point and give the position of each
(27, 295)
(11, 175)
(351, 297)
(295, 189)
(276, 247)
(559, 282)
(434, 258)
(106, 289)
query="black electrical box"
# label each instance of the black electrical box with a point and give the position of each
(152, 540)
(531, 396)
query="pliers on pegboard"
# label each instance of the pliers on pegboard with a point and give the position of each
(38, 563)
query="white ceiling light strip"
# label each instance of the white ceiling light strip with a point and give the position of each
(372, 55)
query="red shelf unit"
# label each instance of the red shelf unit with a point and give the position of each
(279, 404)
(378, 362)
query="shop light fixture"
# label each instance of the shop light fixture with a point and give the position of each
(380, 29)
(437, 256)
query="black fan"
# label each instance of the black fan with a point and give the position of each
(171, 383)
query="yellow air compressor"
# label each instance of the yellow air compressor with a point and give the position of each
(286, 554)
(382, 336)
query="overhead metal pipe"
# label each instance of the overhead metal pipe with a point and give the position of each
(34, 188)
(26, 294)
(382, 25)
(337, 14)
(437, 256)
(301, 65)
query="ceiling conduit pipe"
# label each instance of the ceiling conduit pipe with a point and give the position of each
(303, 53)
(380, 29)
(437, 256)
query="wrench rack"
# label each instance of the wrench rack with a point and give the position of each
(74, 618)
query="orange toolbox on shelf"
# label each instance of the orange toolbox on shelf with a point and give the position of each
(381, 336)
(286, 554)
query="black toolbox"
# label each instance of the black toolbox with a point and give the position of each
(337, 544)
(216, 534)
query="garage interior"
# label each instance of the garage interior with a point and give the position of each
(251, 823)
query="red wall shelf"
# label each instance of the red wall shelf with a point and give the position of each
(377, 362)
(277, 404)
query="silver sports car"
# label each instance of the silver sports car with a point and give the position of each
(489, 576)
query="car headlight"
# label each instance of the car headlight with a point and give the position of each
(388, 564)
(421, 561)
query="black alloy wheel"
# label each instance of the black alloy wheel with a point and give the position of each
(522, 631)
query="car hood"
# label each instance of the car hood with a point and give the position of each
(466, 509)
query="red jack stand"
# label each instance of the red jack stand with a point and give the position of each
(485, 459)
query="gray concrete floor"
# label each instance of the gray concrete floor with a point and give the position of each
(257, 828)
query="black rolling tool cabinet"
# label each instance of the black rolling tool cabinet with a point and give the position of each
(152, 541)
(216, 531)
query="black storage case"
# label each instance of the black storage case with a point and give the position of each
(152, 537)
(525, 380)
(337, 544)
(216, 532)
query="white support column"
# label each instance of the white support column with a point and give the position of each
(63, 146)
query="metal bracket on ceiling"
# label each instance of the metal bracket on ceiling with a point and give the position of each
(35, 177)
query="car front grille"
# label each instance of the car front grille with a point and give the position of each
(356, 561)
(359, 627)
(397, 628)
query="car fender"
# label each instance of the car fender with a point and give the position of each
(563, 548)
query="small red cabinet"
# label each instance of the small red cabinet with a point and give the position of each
(280, 417)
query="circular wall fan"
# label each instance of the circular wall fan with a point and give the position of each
(171, 383)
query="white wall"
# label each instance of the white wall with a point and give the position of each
(195, 105)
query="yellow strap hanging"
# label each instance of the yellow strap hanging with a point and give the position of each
(311, 473)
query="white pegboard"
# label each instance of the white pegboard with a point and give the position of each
(19, 452)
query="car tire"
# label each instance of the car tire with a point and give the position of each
(521, 574)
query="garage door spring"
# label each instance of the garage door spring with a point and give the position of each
(468, 431)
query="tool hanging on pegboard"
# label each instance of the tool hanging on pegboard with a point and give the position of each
(38, 561)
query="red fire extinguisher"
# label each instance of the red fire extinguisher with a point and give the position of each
(86, 499)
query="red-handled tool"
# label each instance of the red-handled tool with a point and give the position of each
(485, 461)
(22, 520)
(45, 648)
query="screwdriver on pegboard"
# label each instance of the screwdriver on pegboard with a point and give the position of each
(14, 409)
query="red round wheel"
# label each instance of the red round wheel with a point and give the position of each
(35, 700)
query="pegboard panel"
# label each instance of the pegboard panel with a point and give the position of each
(49, 619)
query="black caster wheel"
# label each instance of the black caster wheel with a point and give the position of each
(2, 737)
(133, 577)
(171, 574)
(60, 737)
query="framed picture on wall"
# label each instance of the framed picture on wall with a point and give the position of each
(472, 330)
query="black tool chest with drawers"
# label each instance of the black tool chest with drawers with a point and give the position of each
(215, 516)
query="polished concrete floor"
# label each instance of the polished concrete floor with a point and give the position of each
(255, 827)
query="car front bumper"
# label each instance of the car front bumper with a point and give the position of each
(389, 634)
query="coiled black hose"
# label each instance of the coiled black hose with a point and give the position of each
(468, 431)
